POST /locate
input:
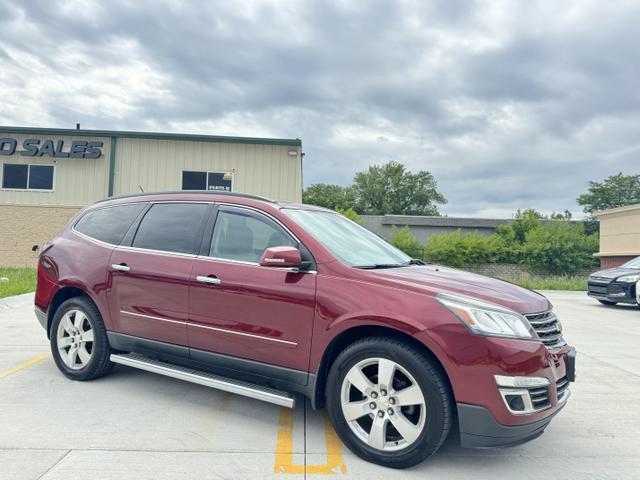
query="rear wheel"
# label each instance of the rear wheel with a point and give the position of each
(607, 302)
(388, 403)
(79, 340)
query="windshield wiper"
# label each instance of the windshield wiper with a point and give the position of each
(381, 265)
(413, 261)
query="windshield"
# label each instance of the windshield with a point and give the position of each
(354, 245)
(635, 263)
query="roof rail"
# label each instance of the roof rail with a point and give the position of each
(187, 192)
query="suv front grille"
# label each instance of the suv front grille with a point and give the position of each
(548, 328)
(562, 388)
(539, 397)
(598, 289)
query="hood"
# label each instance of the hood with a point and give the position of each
(611, 273)
(438, 279)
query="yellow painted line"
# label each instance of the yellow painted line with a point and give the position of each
(26, 364)
(284, 449)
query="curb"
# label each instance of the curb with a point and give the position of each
(17, 300)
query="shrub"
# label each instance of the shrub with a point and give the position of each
(560, 248)
(455, 249)
(402, 239)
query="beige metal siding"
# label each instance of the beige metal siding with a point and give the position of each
(76, 182)
(157, 165)
(620, 232)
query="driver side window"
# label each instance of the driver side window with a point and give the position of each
(243, 235)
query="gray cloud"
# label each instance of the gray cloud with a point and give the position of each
(510, 104)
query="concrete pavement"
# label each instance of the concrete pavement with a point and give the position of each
(138, 425)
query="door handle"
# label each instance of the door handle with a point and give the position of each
(210, 280)
(120, 267)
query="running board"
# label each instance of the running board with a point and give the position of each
(266, 394)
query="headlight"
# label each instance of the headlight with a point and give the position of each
(484, 318)
(628, 278)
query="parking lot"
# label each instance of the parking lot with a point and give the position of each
(138, 425)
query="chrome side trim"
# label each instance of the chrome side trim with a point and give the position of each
(155, 252)
(91, 239)
(151, 317)
(254, 264)
(206, 379)
(221, 330)
(234, 332)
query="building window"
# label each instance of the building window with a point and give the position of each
(27, 177)
(207, 181)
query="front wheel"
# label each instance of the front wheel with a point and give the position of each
(79, 340)
(388, 402)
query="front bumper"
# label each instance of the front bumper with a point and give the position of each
(479, 428)
(619, 292)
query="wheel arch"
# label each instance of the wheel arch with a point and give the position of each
(352, 335)
(62, 295)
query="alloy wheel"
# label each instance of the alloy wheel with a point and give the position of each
(383, 404)
(75, 339)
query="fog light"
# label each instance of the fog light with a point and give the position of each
(515, 402)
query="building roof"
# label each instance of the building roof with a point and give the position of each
(150, 135)
(610, 211)
(415, 220)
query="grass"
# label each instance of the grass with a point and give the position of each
(20, 280)
(550, 283)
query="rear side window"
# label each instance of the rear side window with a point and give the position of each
(171, 227)
(109, 224)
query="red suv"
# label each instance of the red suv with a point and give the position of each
(267, 299)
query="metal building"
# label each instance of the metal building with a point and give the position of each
(619, 235)
(48, 174)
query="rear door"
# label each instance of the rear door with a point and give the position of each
(241, 309)
(149, 275)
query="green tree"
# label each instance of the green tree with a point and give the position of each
(392, 189)
(329, 196)
(615, 191)
(566, 215)
(515, 232)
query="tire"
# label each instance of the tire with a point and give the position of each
(77, 324)
(608, 302)
(430, 421)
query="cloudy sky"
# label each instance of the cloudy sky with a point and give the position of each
(510, 104)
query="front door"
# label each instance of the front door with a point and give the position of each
(241, 309)
(149, 278)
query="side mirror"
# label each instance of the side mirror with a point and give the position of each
(285, 256)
